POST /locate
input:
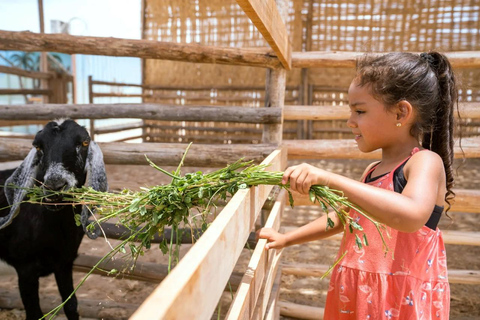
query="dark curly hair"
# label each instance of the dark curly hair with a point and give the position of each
(428, 83)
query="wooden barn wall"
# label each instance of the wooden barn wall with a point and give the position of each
(364, 26)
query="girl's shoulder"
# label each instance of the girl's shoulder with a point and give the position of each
(424, 161)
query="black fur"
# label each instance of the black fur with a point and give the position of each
(40, 240)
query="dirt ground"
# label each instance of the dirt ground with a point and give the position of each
(311, 291)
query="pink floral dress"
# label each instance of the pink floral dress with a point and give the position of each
(409, 282)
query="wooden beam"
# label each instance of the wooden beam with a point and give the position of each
(274, 100)
(267, 19)
(166, 154)
(346, 59)
(182, 294)
(465, 201)
(29, 41)
(142, 271)
(144, 111)
(470, 110)
(299, 311)
(45, 92)
(347, 149)
(25, 73)
(187, 88)
(262, 266)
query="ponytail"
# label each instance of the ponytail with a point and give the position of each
(440, 137)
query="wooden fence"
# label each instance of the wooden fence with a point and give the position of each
(182, 292)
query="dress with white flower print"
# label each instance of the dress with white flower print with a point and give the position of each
(409, 282)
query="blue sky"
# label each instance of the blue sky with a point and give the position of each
(101, 18)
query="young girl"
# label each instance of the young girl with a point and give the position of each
(403, 104)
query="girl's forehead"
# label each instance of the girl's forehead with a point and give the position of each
(356, 90)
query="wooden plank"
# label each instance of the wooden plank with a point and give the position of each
(45, 92)
(144, 111)
(469, 110)
(29, 41)
(182, 294)
(267, 19)
(166, 154)
(461, 237)
(273, 310)
(25, 73)
(347, 149)
(246, 297)
(464, 276)
(143, 271)
(299, 311)
(465, 201)
(274, 99)
(346, 59)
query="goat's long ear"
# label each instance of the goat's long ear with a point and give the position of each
(96, 178)
(22, 177)
(95, 167)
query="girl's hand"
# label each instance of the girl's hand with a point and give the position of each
(303, 176)
(275, 239)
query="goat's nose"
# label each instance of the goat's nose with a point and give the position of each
(55, 185)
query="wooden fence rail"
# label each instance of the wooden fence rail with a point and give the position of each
(166, 154)
(469, 110)
(26, 73)
(257, 57)
(144, 111)
(170, 154)
(29, 41)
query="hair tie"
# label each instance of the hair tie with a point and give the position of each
(428, 58)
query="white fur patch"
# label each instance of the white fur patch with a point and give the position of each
(56, 172)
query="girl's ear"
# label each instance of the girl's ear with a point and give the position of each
(404, 111)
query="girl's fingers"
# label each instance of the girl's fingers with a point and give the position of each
(271, 245)
(287, 174)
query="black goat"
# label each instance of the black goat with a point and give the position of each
(39, 240)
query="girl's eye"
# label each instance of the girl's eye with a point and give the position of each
(359, 112)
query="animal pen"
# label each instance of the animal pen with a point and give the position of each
(267, 82)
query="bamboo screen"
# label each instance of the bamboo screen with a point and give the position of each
(373, 25)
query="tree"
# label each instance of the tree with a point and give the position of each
(24, 60)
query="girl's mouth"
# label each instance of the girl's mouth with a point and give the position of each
(357, 137)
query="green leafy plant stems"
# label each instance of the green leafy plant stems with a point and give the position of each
(171, 204)
(150, 210)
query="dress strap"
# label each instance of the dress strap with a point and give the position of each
(414, 150)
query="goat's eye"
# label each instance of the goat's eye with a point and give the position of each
(85, 143)
(38, 148)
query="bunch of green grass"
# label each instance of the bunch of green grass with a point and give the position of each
(147, 212)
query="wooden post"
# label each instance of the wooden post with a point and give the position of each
(143, 12)
(90, 101)
(306, 124)
(43, 55)
(275, 90)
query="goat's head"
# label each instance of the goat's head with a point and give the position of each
(62, 157)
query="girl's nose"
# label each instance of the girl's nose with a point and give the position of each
(351, 123)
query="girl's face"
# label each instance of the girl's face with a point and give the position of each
(371, 123)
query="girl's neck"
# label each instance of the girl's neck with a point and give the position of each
(397, 153)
